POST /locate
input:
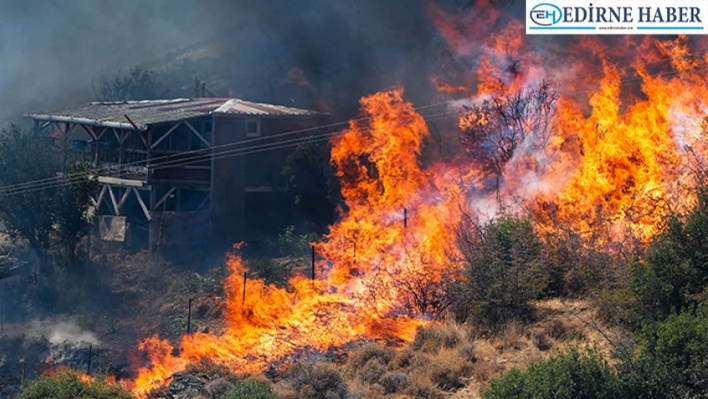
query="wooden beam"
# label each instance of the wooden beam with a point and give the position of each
(125, 134)
(98, 137)
(113, 200)
(204, 201)
(164, 197)
(142, 204)
(142, 138)
(100, 197)
(189, 125)
(117, 181)
(164, 136)
(90, 133)
(123, 198)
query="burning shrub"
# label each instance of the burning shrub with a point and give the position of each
(69, 384)
(504, 269)
(317, 381)
(493, 130)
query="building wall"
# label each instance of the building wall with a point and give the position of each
(228, 185)
(259, 173)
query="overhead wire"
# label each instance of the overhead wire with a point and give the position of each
(210, 152)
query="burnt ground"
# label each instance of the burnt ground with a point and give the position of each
(139, 296)
(132, 296)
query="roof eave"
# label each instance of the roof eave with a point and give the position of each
(84, 121)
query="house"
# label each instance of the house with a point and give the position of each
(182, 171)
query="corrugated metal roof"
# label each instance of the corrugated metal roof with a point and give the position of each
(151, 112)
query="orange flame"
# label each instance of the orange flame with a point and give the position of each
(612, 155)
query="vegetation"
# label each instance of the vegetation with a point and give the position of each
(504, 269)
(68, 384)
(675, 275)
(137, 84)
(251, 390)
(314, 183)
(570, 375)
(35, 212)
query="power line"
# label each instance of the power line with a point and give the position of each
(64, 181)
(127, 166)
(59, 181)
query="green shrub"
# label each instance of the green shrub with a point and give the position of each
(566, 376)
(268, 269)
(674, 361)
(293, 244)
(675, 275)
(67, 384)
(504, 270)
(251, 390)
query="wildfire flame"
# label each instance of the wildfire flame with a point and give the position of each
(614, 152)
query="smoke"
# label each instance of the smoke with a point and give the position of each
(52, 50)
(60, 333)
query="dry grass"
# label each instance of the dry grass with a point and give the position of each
(450, 361)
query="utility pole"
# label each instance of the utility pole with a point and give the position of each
(313, 261)
(189, 317)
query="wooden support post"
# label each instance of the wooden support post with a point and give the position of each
(189, 317)
(313, 261)
(245, 279)
(88, 367)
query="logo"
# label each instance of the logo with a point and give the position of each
(546, 14)
(617, 17)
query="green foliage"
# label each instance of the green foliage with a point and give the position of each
(503, 270)
(314, 183)
(251, 390)
(570, 375)
(28, 214)
(673, 362)
(293, 244)
(71, 215)
(137, 84)
(269, 270)
(36, 211)
(675, 275)
(66, 384)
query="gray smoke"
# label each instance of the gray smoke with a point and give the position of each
(51, 51)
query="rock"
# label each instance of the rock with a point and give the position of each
(185, 386)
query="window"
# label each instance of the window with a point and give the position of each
(253, 128)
